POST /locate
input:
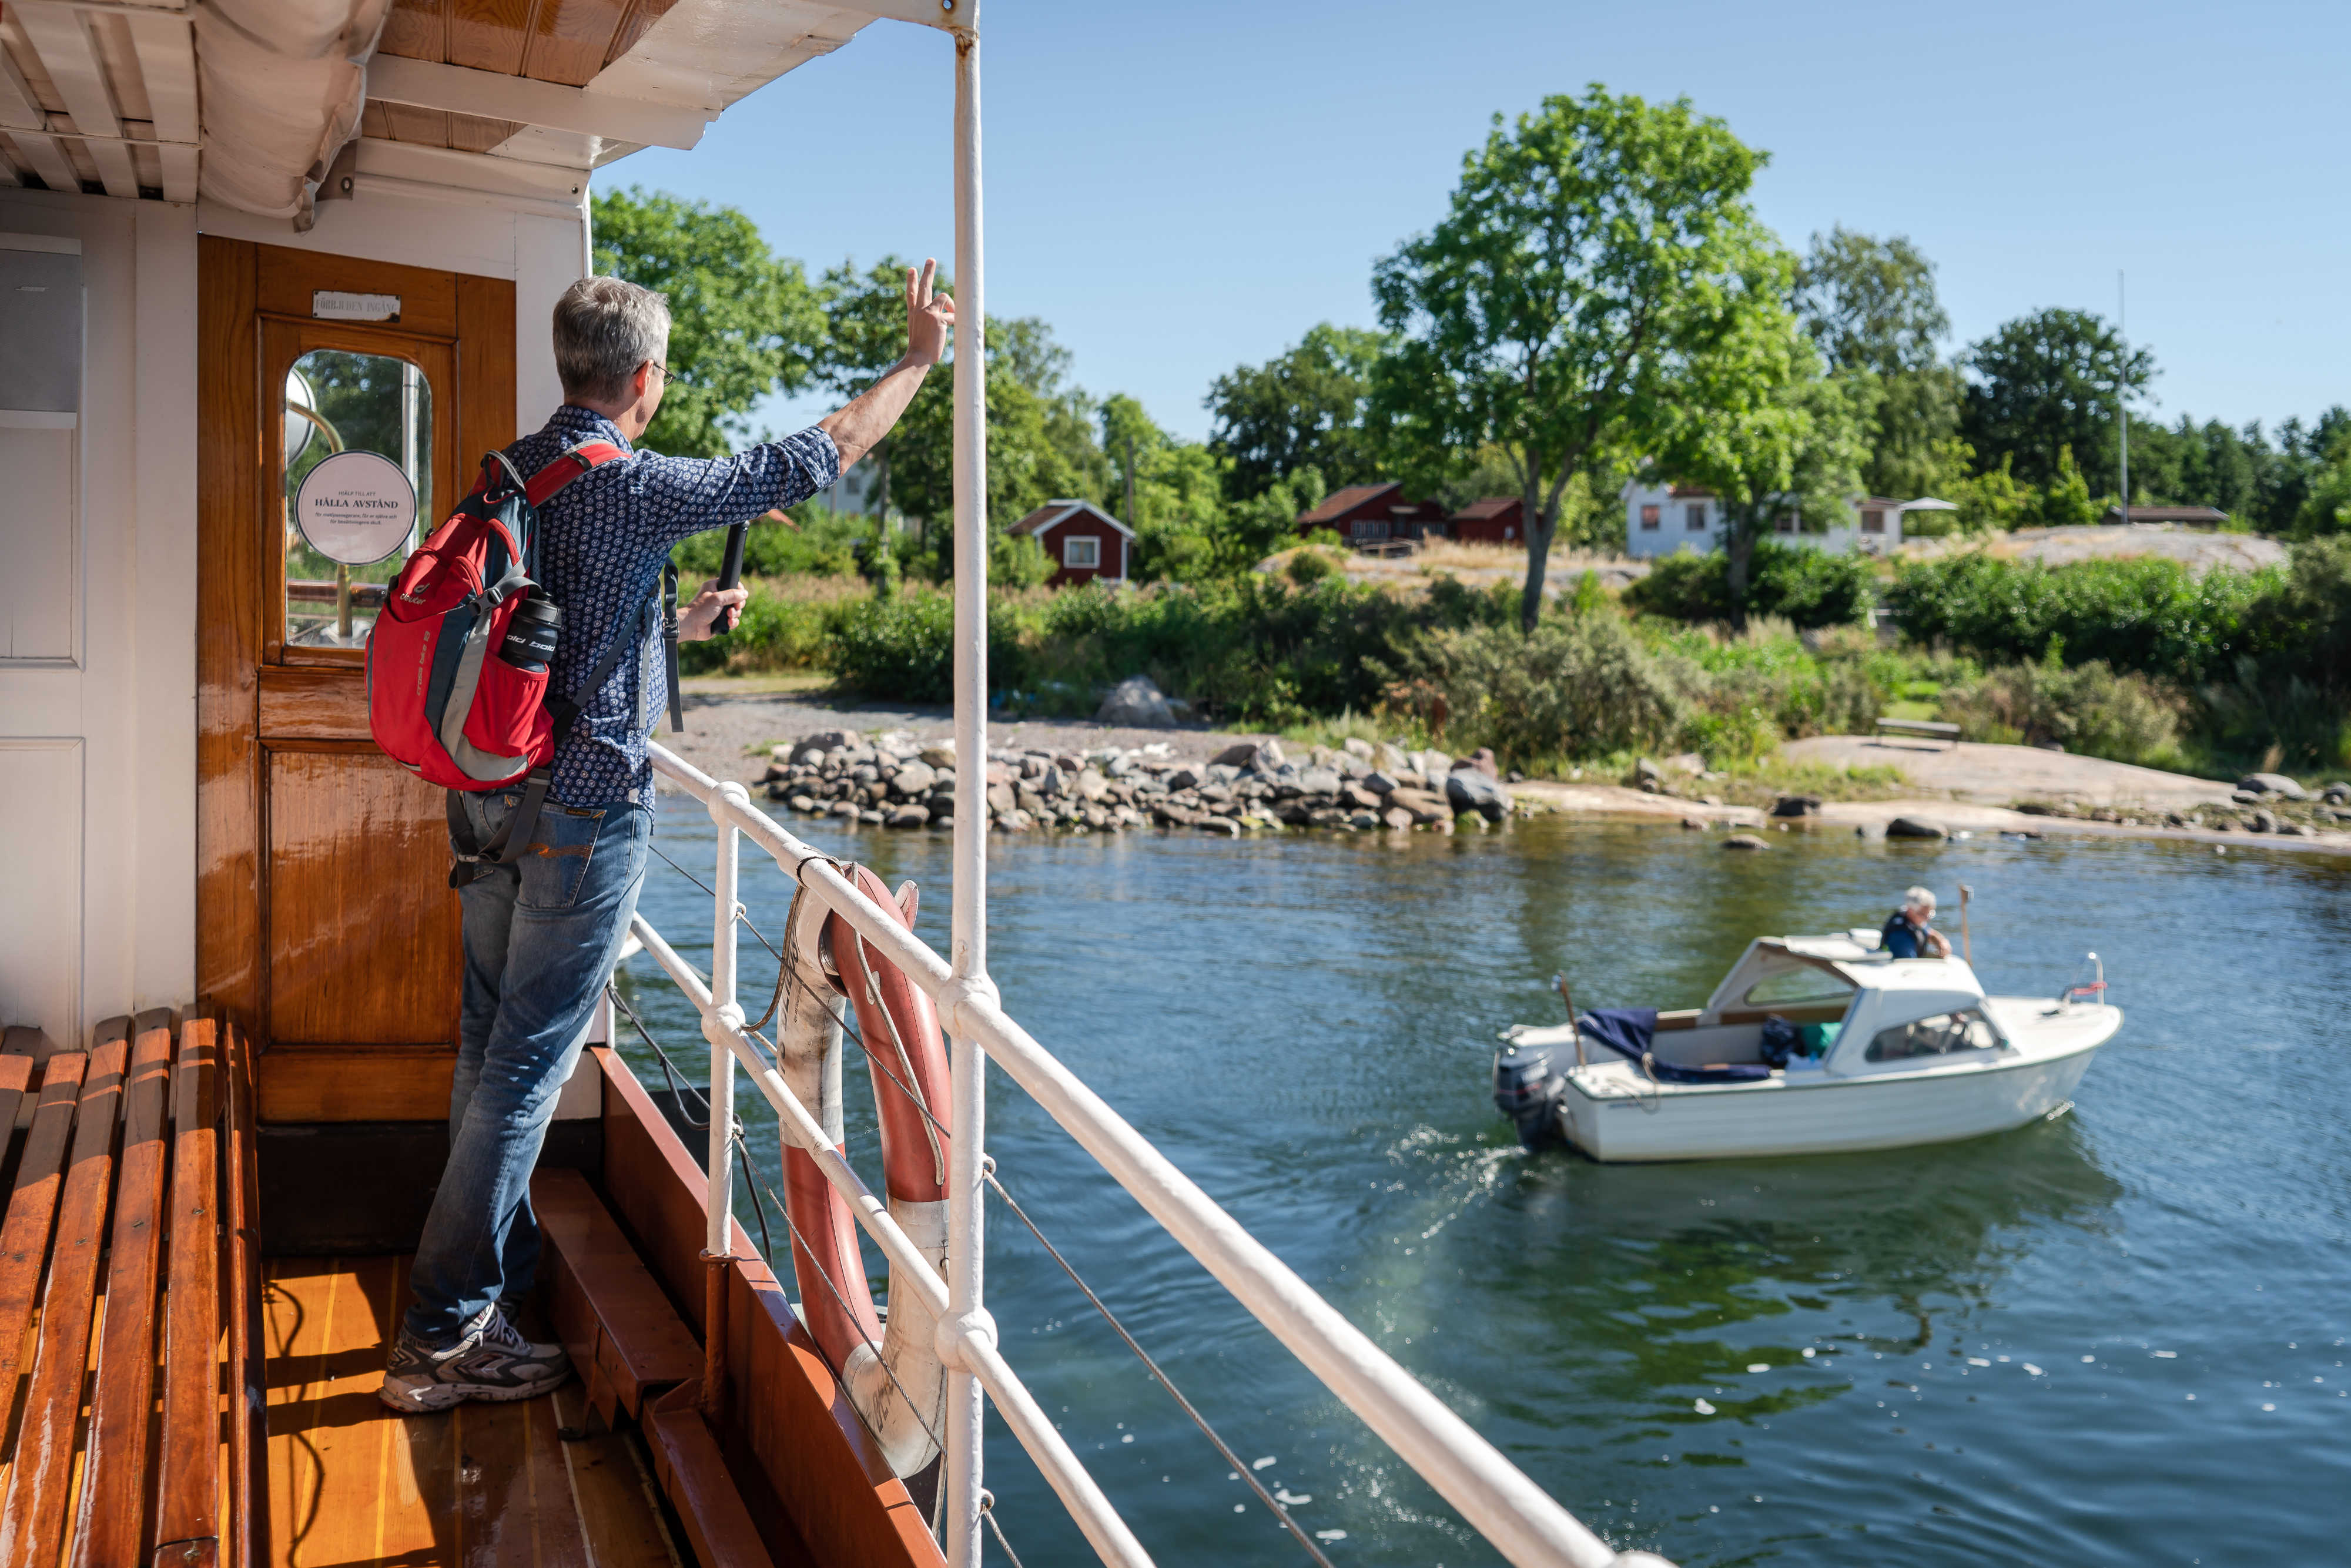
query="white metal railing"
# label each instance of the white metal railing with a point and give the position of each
(1508, 1509)
(1496, 1500)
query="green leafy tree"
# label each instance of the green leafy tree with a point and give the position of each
(744, 322)
(1769, 436)
(1303, 408)
(2067, 501)
(2047, 382)
(1870, 304)
(1872, 308)
(1040, 443)
(1591, 251)
(865, 321)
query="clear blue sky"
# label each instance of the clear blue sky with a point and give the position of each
(1177, 190)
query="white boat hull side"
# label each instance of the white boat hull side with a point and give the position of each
(1816, 1114)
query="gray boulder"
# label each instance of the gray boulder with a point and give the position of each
(1319, 781)
(1184, 778)
(1744, 842)
(1392, 759)
(909, 817)
(2273, 784)
(1091, 785)
(1362, 748)
(1136, 703)
(1243, 756)
(1915, 828)
(939, 754)
(1472, 789)
(914, 778)
(2262, 823)
(1378, 781)
(1797, 806)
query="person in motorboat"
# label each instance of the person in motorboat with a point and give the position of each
(541, 932)
(1910, 932)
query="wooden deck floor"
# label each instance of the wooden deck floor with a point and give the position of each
(351, 1483)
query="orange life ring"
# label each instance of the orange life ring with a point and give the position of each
(901, 1391)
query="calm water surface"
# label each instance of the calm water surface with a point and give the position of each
(2113, 1338)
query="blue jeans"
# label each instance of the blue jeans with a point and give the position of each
(541, 937)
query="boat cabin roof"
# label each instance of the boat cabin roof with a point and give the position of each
(1782, 972)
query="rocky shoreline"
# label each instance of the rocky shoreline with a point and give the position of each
(898, 780)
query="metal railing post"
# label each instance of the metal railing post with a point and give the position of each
(967, 1216)
(719, 1231)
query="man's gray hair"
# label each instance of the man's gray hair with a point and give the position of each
(1918, 898)
(604, 329)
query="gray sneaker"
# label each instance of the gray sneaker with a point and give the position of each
(494, 1362)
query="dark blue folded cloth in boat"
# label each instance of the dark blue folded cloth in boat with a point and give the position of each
(1629, 1031)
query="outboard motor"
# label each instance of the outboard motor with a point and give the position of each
(1528, 1083)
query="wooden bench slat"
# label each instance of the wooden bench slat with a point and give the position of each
(25, 1237)
(248, 1490)
(111, 1525)
(188, 1487)
(32, 1518)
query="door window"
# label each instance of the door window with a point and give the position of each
(346, 528)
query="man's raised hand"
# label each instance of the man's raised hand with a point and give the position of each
(929, 314)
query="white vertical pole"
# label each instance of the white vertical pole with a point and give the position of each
(719, 1231)
(966, 1215)
(2121, 389)
(412, 381)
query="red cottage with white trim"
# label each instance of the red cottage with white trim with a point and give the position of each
(1084, 541)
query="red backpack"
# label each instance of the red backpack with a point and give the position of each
(457, 663)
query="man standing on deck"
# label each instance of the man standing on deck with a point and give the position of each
(541, 934)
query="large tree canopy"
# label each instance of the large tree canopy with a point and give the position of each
(744, 322)
(1304, 408)
(1592, 251)
(2047, 382)
(1040, 442)
(1870, 305)
(1768, 434)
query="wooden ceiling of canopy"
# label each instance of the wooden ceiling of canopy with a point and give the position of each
(563, 41)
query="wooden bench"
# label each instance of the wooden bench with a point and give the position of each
(1930, 729)
(159, 1140)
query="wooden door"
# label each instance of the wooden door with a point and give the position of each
(325, 922)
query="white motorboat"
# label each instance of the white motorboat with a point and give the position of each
(1871, 1052)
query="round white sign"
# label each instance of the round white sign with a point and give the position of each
(355, 508)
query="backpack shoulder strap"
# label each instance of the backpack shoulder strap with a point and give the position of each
(574, 462)
(566, 710)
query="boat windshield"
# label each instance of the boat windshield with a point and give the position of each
(1937, 1036)
(1801, 985)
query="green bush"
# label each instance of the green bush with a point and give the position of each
(823, 544)
(2088, 708)
(2149, 614)
(1810, 587)
(1750, 689)
(899, 648)
(1577, 686)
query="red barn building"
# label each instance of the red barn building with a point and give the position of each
(1084, 541)
(1495, 520)
(1373, 514)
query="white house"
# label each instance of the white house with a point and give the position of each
(1661, 519)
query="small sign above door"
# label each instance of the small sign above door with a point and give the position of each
(355, 508)
(333, 305)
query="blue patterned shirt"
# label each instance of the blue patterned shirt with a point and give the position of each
(602, 540)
